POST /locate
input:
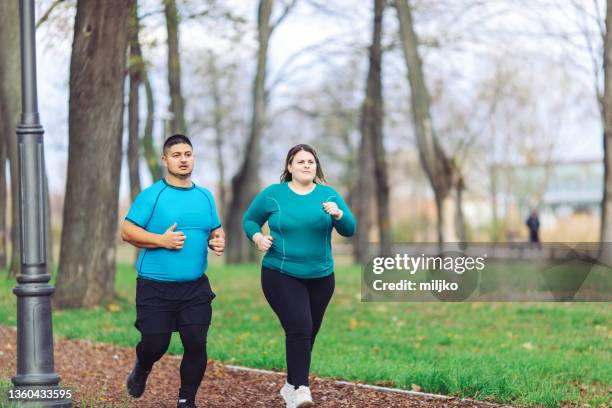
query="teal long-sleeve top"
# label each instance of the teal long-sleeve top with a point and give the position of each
(300, 227)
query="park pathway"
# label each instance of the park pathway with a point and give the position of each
(96, 372)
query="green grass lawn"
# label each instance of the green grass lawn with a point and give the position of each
(535, 354)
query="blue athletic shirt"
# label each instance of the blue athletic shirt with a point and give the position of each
(193, 209)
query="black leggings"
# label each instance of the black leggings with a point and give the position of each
(299, 305)
(152, 347)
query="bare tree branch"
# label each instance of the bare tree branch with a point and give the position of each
(47, 13)
(151, 14)
(599, 19)
(284, 14)
(283, 73)
(594, 54)
(323, 7)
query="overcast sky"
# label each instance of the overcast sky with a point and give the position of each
(578, 138)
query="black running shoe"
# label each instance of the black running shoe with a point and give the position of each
(137, 380)
(186, 403)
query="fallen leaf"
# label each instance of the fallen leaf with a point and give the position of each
(528, 346)
(112, 307)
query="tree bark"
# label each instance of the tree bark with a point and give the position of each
(3, 201)
(48, 222)
(218, 111)
(376, 132)
(372, 170)
(494, 233)
(246, 182)
(364, 190)
(135, 68)
(150, 151)
(86, 274)
(177, 103)
(606, 205)
(460, 226)
(10, 95)
(440, 170)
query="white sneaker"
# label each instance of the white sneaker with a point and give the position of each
(287, 393)
(302, 397)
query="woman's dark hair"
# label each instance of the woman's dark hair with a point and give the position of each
(286, 176)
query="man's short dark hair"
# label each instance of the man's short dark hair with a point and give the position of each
(176, 139)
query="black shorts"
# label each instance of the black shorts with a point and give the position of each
(163, 307)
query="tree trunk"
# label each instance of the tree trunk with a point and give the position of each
(150, 151)
(606, 205)
(372, 171)
(218, 110)
(459, 216)
(494, 236)
(10, 95)
(135, 67)
(3, 203)
(177, 103)
(86, 274)
(5, 132)
(246, 182)
(439, 169)
(50, 258)
(364, 191)
(377, 111)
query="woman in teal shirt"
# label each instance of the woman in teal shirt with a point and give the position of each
(298, 269)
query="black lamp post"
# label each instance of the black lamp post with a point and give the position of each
(35, 378)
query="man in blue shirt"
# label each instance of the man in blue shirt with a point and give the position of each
(174, 221)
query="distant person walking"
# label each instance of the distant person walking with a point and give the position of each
(533, 224)
(297, 273)
(174, 221)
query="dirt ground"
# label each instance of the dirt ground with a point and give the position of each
(96, 373)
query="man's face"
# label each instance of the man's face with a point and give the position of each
(178, 159)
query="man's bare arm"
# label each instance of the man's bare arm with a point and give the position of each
(141, 238)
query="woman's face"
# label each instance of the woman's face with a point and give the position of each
(303, 167)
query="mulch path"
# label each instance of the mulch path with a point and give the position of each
(96, 373)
